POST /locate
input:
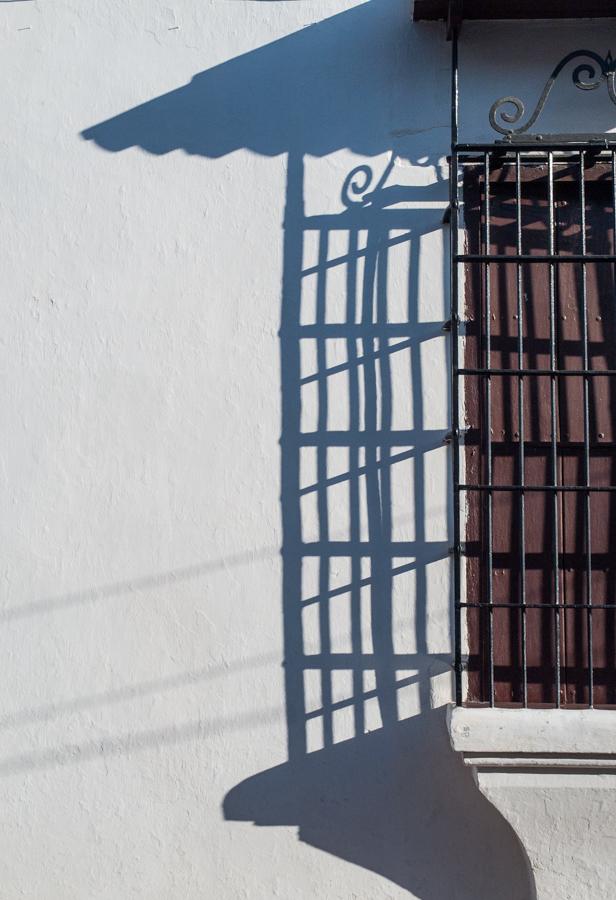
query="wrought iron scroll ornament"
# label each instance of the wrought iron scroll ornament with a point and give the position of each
(587, 76)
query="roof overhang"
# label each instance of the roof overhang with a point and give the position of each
(430, 10)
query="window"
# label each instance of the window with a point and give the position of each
(538, 446)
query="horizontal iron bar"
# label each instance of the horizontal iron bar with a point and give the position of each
(598, 448)
(545, 488)
(579, 372)
(569, 559)
(535, 605)
(542, 147)
(543, 258)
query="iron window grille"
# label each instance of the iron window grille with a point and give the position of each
(533, 324)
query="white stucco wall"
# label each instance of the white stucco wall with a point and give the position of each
(152, 293)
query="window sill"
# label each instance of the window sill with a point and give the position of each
(519, 732)
(552, 775)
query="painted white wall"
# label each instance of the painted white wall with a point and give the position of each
(143, 724)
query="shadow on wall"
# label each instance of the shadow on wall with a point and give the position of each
(363, 780)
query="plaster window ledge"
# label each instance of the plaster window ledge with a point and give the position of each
(552, 775)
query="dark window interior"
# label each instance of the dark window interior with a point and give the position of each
(539, 552)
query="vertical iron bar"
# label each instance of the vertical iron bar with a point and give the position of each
(587, 534)
(611, 500)
(614, 198)
(522, 535)
(553, 418)
(454, 301)
(488, 410)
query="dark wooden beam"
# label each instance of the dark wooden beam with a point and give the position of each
(430, 10)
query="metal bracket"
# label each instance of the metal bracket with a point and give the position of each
(461, 549)
(460, 433)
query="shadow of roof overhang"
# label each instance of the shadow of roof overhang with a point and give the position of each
(359, 80)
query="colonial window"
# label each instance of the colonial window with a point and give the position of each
(533, 258)
(538, 439)
(533, 326)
